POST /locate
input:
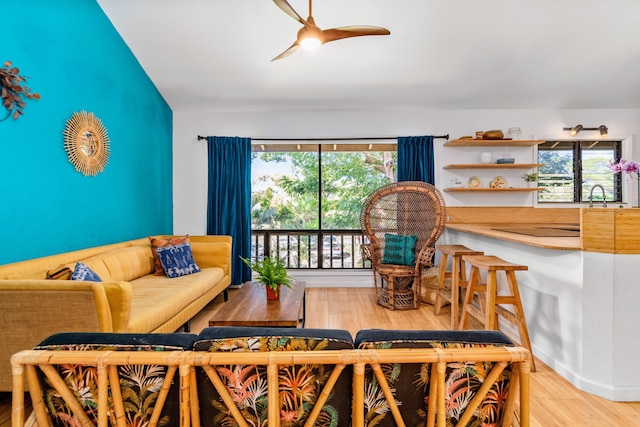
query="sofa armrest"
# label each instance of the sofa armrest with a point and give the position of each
(34, 309)
(119, 297)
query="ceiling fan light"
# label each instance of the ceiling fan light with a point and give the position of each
(310, 43)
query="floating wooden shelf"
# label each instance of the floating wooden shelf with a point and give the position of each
(493, 166)
(465, 189)
(493, 142)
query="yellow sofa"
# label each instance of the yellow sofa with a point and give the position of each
(129, 299)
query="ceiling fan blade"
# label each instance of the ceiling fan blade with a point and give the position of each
(287, 52)
(340, 33)
(286, 8)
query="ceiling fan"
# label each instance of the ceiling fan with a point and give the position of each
(310, 35)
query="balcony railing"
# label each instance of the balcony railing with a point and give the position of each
(311, 249)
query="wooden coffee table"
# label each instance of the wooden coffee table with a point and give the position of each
(248, 306)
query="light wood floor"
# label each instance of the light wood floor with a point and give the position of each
(554, 401)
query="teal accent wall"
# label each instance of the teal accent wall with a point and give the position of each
(76, 60)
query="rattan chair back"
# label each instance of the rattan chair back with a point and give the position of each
(402, 208)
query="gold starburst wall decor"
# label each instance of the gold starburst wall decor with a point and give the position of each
(86, 143)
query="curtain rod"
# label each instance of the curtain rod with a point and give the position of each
(330, 139)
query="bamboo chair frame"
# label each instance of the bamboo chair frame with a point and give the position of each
(403, 208)
(26, 363)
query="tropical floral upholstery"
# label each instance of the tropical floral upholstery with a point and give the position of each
(139, 385)
(409, 383)
(299, 385)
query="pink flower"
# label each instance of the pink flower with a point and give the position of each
(626, 167)
(631, 167)
(616, 167)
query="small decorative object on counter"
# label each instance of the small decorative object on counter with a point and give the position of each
(628, 167)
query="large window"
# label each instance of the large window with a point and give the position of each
(572, 168)
(306, 200)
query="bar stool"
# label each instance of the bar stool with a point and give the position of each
(458, 276)
(493, 303)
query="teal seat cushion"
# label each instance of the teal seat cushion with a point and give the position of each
(399, 249)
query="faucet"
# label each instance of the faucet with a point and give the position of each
(604, 196)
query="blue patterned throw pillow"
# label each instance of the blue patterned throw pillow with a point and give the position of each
(399, 249)
(83, 272)
(177, 260)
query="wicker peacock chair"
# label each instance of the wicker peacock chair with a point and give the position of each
(392, 218)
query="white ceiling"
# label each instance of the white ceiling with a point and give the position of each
(215, 55)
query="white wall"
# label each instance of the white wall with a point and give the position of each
(190, 155)
(559, 302)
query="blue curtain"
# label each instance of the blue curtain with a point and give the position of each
(416, 159)
(229, 198)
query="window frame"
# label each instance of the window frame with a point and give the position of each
(326, 259)
(578, 180)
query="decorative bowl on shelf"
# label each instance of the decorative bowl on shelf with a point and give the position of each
(505, 160)
(474, 182)
(493, 134)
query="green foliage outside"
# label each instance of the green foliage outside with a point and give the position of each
(557, 175)
(286, 197)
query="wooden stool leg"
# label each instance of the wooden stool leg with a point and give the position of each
(468, 297)
(441, 279)
(455, 283)
(519, 313)
(490, 303)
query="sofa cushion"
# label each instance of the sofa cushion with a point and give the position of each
(159, 242)
(409, 382)
(399, 249)
(177, 260)
(120, 342)
(428, 338)
(156, 299)
(95, 263)
(140, 385)
(29, 275)
(83, 272)
(300, 385)
(125, 264)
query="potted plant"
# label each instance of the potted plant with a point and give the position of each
(531, 178)
(13, 90)
(272, 273)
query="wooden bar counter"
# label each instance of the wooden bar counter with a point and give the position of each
(581, 292)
